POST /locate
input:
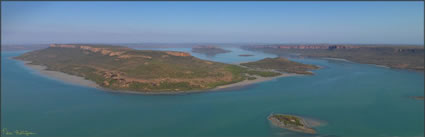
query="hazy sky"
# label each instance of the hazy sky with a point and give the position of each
(219, 22)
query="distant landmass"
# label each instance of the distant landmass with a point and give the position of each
(209, 50)
(122, 68)
(399, 57)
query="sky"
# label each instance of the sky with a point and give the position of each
(212, 22)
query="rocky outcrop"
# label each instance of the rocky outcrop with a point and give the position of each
(116, 77)
(119, 52)
(134, 56)
(103, 51)
(175, 53)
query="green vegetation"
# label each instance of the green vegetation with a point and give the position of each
(288, 119)
(263, 73)
(282, 65)
(117, 67)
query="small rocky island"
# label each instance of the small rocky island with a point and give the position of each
(291, 122)
(145, 71)
(209, 50)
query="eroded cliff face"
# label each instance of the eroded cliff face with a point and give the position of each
(103, 51)
(176, 53)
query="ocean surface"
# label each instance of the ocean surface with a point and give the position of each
(350, 99)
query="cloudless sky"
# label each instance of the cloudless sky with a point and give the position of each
(216, 22)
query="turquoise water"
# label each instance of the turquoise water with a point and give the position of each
(352, 99)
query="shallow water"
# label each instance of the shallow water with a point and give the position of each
(352, 99)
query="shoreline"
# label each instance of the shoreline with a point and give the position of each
(60, 76)
(81, 81)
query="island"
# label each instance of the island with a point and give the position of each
(209, 50)
(291, 122)
(245, 55)
(392, 56)
(282, 65)
(147, 71)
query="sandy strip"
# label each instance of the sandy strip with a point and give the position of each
(257, 80)
(341, 59)
(382, 66)
(338, 59)
(71, 79)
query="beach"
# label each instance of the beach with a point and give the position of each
(67, 78)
